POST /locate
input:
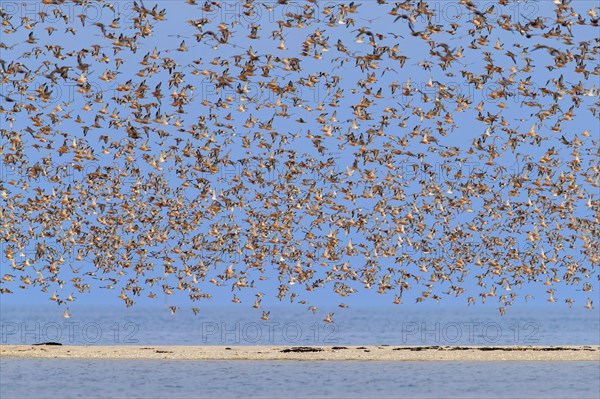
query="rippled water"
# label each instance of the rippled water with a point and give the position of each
(154, 379)
(109, 326)
(395, 326)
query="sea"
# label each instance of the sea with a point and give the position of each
(52, 378)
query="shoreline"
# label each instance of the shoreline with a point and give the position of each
(308, 353)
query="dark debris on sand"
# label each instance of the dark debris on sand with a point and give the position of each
(301, 349)
(489, 348)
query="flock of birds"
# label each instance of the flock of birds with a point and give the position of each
(278, 148)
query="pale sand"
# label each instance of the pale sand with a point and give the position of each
(351, 353)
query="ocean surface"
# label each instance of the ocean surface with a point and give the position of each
(62, 378)
(292, 326)
(52, 378)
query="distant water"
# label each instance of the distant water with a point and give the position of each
(34, 378)
(397, 326)
(214, 326)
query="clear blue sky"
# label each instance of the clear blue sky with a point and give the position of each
(166, 38)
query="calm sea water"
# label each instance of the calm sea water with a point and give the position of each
(214, 326)
(157, 379)
(396, 326)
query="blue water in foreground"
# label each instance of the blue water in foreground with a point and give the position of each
(33, 378)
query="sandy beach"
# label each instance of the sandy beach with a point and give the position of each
(312, 353)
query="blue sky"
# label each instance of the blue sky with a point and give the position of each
(462, 130)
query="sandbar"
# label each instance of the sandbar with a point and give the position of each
(308, 353)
